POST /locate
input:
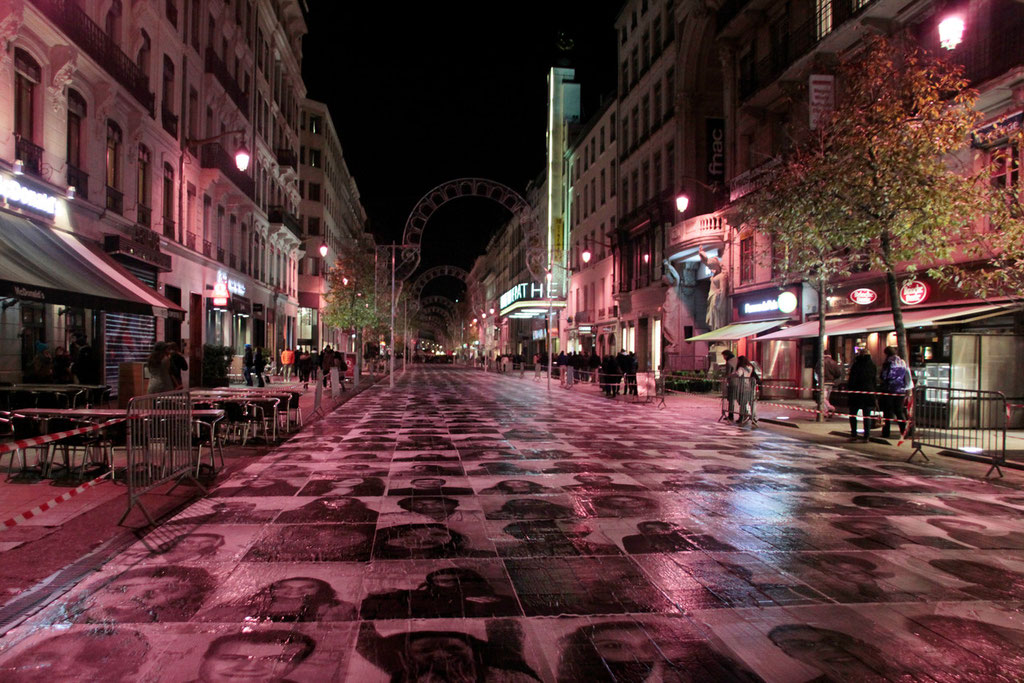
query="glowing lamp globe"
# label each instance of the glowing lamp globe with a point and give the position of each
(951, 31)
(682, 203)
(242, 157)
(586, 256)
(323, 251)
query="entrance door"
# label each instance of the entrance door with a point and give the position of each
(195, 340)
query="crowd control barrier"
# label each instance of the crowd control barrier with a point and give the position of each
(967, 422)
(159, 445)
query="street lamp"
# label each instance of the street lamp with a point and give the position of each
(951, 31)
(242, 155)
(682, 203)
(323, 250)
(242, 158)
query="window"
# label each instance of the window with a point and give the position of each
(625, 132)
(611, 128)
(656, 164)
(645, 50)
(624, 86)
(635, 59)
(314, 192)
(76, 115)
(168, 195)
(313, 224)
(193, 113)
(670, 90)
(601, 150)
(645, 108)
(593, 195)
(142, 194)
(27, 76)
(315, 124)
(670, 166)
(142, 58)
(656, 34)
(669, 27)
(624, 196)
(315, 158)
(602, 187)
(747, 259)
(636, 190)
(645, 178)
(167, 91)
(657, 101)
(636, 126)
(622, 36)
(611, 183)
(171, 10)
(112, 23)
(1005, 164)
(586, 192)
(114, 138)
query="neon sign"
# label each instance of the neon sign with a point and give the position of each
(220, 295)
(863, 296)
(233, 286)
(786, 302)
(14, 192)
(528, 291)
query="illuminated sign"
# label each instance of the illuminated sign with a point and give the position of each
(538, 334)
(863, 296)
(913, 292)
(234, 286)
(586, 329)
(14, 192)
(528, 292)
(220, 295)
(786, 302)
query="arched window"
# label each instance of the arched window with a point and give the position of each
(112, 24)
(142, 59)
(27, 76)
(143, 193)
(114, 139)
(77, 111)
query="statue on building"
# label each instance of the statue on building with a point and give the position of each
(717, 301)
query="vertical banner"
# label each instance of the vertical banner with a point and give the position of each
(715, 150)
(821, 97)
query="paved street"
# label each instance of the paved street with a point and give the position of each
(467, 526)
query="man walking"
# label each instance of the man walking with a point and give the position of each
(731, 381)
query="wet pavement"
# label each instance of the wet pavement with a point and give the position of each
(470, 527)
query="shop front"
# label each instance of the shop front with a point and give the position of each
(953, 342)
(528, 308)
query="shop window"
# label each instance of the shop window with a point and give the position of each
(747, 259)
(33, 336)
(1005, 165)
(27, 75)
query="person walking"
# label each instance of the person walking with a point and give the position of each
(634, 367)
(259, 363)
(747, 376)
(327, 362)
(897, 382)
(594, 363)
(178, 364)
(611, 376)
(287, 360)
(159, 365)
(863, 378)
(562, 361)
(833, 373)
(622, 360)
(247, 364)
(302, 365)
(731, 363)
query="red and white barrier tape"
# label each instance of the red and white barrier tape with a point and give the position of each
(38, 510)
(56, 436)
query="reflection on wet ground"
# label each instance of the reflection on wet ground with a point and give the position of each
(466, 527)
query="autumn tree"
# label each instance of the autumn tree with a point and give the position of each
(350, 297)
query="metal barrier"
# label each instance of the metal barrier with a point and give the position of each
(159, 444)
(966, 422)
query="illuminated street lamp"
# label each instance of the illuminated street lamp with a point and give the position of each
(323, 250)
(242, 158)
(242, 155)
(682, 203)
(951, 31)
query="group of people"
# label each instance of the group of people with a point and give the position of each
(165, 364)
(742, 377)
(78, 364)
(303, 362)
(612, 372)
(893, 384)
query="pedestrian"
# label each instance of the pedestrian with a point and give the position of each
(247, 364)
(610, 376)
(327, 362)
(897, 382)
(833, 373)
(731, 384)
(287, 360)
(863, 378)
(61, 366)
(342, 365)
(536, 366)
(178, 365)
(259, 363)
(87, 367)
(594, 364)
(747, 376)
(634, 366)
(622, 360)
(159, 365)
(302, 365)
(314, 364)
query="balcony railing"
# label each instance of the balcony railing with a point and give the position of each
(115, 200)
(121, 244)
(170, 231)
(190, 240)
(143, 215)
(215, 66)
(79, 180)
(279, 215)
(94, 41)
(287, 157)
(207, 248)
(30, 154)
(170, 121)
(212, 155)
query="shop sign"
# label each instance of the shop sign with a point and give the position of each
(14, 192)
(527, 291)
(913, 292)
(538, 334)
(221, 296)
(715, 150)
(821, 97)
(234, 286)
(25, 293)
(786, 302)
(863, 296)
(586, 329)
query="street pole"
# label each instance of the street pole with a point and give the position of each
(551, 353)
(391, 351)
(405, 334)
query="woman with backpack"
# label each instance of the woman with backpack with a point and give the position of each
(896, 380)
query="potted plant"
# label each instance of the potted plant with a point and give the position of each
(216, 361)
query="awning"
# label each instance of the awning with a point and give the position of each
(738, 330)
(882, 322)
(46, 265)
(309, 300)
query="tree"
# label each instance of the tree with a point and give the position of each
(350, 297)
(795, 211)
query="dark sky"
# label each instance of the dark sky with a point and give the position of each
(427, 92)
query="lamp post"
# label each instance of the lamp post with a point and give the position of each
(548, 277)
(391, 355)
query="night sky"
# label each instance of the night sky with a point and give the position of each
(426, 93)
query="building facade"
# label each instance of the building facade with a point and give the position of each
(332, 217)
(130, 115)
